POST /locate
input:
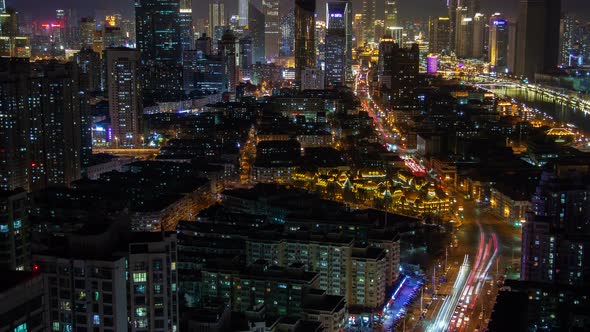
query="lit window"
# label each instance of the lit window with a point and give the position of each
(21, 328)
(141, 312)
(139, 277)
(96, 319)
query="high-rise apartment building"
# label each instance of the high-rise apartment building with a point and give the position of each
(124, 90)
(556, 235)
(15, 246)
(159, 41)
(98, 280)
(534, 54)
(439, 31)
(397, 73)
(54, 124)
(15, 165)
(89, 70)
(305, 55)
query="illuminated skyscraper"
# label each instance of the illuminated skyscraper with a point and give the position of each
(463, 33)
(187, 33)
(498, 44)
(439, 30)
(243, 8)
(368, 21)
(537, 37)
(336, 43)
(305, 56)
(158, 39)
(390, 13)
(216, 16)
(229, 49)
(287, 34)
(124, 90)
(271, 28)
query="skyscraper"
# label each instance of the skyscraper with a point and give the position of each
(271, 28)
(479, 26)
(397, 72)
(534, 54)
(390, 13)
(158, 39)
(229, 50)
(336, 42)
(305, 56)
(216, 16)
(87, 29)
(124, 90)
(463, 33)
(55, 125)
(368, 21)
(14, 124)
(452, 7)
(556, 235)
(439, 31)
(187, 33)
(243, 12)
(257, 30)
(287, 45)
(498, 44)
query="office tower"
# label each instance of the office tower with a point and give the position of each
(246, 51)
(358, 30)
(229, 51)
(87, 29)
(203, 45)
(55, 125)
(368, 21)
(536, 55)
(15, 246)
(287, 44)
(305, 56)
(8, 23)
(439, 31)
(158, 40)
(125, 102)
(512, 49)
(187, 33)
(498, 44)
(452, 7)
(556, 235)
(397, 73)
(271, 28)
(108, 280)
(463, 34)
(479, 26)
(390, 13)
(336, 42)
(243, 8)
(256, 28)
(216, 15)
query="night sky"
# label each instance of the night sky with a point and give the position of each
(407, 8)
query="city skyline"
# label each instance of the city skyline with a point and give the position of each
(406, 9)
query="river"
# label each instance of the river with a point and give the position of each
(559, 111)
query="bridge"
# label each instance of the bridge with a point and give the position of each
(140, 152)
